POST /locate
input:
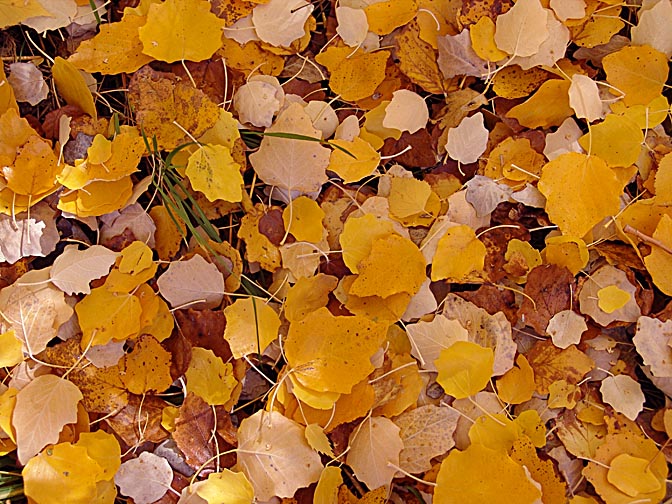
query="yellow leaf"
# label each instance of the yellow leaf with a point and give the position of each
(326, 491)
(351, 169)
(115, 49)
(408, 196)
(551, 363)
(315, 399)
(600, 28)
(14, 132)
(258, 248)
(13, 12)
(179, 30)
(645, 116)
(480, 475)
(517, 384)
(385, 16)
(521, 258)
(226, 486)
(569, 182)
(353, 76)
(104, 449)
(168, 235)
(514, 82)
(357, 238)
(168, 416)
(251, 57)
(7, 98)
(638, 73)
(121, 321)
(63, 469)
(632, 475)
(482, 34)
(549, 106)
(318, 439)
(160, 101)
(617, 140)
(543, 471)
(464, 368)
(303, 219)
(251, 325)
(514, 160)
(134, 267)
(612, 298)
(34, 170)
(212, 170)
(376, 308)
(459, 256)
(97, 198)
(567, 251)
(329, 353)
(11, 349)
(72, 87)
(307, 295)
(380, 274)
(147, 367)
(659, 261)
(209, 377)
(417, 58)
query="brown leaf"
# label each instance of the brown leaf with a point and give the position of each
(193, 431)
(421, 154)
(551, 288)
(551, 364)
(139, 412)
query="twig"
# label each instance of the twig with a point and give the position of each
(647, 239)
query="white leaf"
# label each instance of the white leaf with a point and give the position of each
(194, 282)
(274, 455)
(429, 338)
(485, 194)
(63, 13)
(258, 100)
(74, 269)
(551, 49)
(568, 9)
(522, 29)
(457, 57)
(281, 22)
(623, 394)
(565, 139)
(28, 83)
(352, 25)
(242, 31)
(426, 432)
(24, 237)
(584, 98)
(145, 479)
(373, 446)
(468, 141)
(566, 328)
(652, 341)
(42, 408)
(654, 26)
(406, 112)
(288, 163)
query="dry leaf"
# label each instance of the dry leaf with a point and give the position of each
(74, 269)
(374, 451)
(194, 282)
(145, 479)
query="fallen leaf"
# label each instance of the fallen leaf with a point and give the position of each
(274, 455)
(289, 163)
(374, 451)
(426, 432)
(464, 368)
(74, 269)
(181, 30)
(194, 282)
(212, 170)
(467, 142)
(28, 83)
(623, 394)
(145, 479)
(251, 325)
(522, 30)
(42, 408)
(281, 22)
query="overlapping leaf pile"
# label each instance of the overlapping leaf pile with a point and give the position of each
(337, 252)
